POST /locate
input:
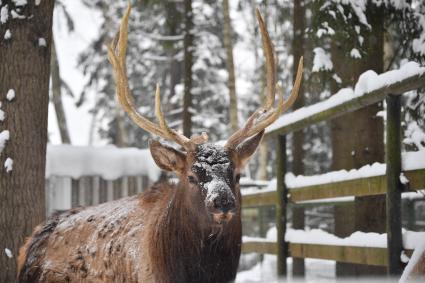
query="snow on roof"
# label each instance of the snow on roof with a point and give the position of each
(109, 162)
(368, 82)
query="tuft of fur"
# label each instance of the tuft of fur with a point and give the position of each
(31, 255)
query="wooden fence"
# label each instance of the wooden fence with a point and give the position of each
(63, 193)
(389, 184)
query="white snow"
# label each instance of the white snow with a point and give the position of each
(15, 15)
(42, 42)
(20, 2)
(320, 237)
(411, 239)
(413, 160)
(4, 137)
(10, 94)
(403, 257)
(403, 179)
(414, 135)
(368, 82)
(410, 161)
(37, 2)
(7, 34)
(2, 114)
(354, 53)
(322, 60)
(376, 169)
(109, 162)
(418, 253)
(8, 253)
(8, 164)
(4, 14)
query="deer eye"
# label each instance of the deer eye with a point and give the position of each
(191, 179)
(237, 178)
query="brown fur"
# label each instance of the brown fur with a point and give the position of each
(169, 244)
(168, 234)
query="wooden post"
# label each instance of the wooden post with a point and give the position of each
(394, 187)
(74, 193)
(282, 199)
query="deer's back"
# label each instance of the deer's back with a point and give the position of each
(100, 243)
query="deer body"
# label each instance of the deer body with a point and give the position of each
(189, 232)
(151, 237)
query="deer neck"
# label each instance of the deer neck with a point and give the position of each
(186, 243)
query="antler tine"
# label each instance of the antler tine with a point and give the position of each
(269, 54)
(266, 115)
(116, 55)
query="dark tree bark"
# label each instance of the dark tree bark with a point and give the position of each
(173, 21)
(228, 45)
(357, 140)
(188, 62)
(57, 96)
(24, 67)
(298, 220)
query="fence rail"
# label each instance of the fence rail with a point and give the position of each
(369, 186)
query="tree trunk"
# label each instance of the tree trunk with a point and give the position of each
(24, 67)
(57, 96)
(228, 45)
(188, 62)
(263, 149)
(357, 140)
(173, 21)
(298, 220)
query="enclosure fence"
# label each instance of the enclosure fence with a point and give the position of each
(284, 198)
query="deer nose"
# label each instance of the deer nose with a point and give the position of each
(224, 203)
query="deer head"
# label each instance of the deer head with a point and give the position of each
(209, 173)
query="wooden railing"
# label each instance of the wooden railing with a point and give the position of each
(389, 184)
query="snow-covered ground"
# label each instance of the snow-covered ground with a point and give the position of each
(324, 270)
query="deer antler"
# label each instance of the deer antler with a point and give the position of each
(266, 115)
(116, 55)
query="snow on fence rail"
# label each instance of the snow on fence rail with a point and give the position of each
(388, 180)
(83, 175)
(359, 247)
(368, 180)
(370, 88)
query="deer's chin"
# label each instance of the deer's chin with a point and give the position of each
(221, 218)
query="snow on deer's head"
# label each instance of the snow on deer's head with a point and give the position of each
(210, 173)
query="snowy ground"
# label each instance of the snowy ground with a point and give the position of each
(265, 271)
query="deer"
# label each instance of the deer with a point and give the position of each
(186, 231)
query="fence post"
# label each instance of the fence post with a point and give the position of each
(394, 187)
(281, 206)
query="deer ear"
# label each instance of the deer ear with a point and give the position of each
(246, 149)
(166, 157)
